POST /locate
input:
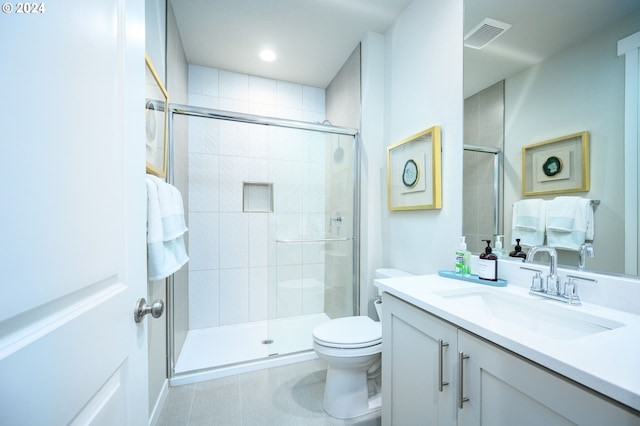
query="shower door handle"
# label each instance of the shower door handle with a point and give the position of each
(156, 309)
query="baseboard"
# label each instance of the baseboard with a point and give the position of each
(157, 408)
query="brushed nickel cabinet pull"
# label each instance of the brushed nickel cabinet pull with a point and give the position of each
(441, 382)
(461, 398)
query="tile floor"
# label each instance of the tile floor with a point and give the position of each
(290, 395)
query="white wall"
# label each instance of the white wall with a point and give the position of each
(423, 88)
(156, 17)
(176, 85)
(155, 35)
(579, 89)
(177, 76)
(373, 165)
(343, 93)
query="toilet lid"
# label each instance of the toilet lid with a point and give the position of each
(349, 332)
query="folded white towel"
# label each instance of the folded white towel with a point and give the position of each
(570, 222)
(165, 229)
(528, 222)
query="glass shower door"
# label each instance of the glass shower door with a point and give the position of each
(272, 213)
(313, 223)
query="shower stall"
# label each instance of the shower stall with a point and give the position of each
(272, 210)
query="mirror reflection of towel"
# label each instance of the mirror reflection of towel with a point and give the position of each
(569, 223)
(528, 222)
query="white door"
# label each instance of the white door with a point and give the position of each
(72, 210)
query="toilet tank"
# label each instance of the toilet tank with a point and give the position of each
(386, 273)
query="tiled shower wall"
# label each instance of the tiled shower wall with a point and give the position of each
(236, 264)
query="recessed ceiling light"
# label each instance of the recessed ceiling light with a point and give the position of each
(267, 55)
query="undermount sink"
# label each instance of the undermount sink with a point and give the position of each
(540, 317)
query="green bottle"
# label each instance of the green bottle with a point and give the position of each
(463, 259)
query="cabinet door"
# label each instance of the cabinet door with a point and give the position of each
(411, 366)
(505, 389)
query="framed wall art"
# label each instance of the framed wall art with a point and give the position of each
(156, 110)
(556, 166)
(414, 177)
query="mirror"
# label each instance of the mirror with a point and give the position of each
(553, 72)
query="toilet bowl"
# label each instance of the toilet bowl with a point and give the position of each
(351, 346)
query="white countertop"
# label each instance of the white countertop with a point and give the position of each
(607, 362)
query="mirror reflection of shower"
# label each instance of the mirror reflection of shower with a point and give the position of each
(483, 169)
(481, 195)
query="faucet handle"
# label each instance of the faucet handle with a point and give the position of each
(570, 288)
(577, 277)
(536, 280)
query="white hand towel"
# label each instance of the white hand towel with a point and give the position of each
(570, 222)
(154, 220)
(528, 222)
(171, 209)
(165, 229)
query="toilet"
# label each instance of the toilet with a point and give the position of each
(351, 346)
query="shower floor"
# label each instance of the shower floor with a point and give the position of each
(213, 347)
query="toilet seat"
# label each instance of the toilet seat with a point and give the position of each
(348, 333)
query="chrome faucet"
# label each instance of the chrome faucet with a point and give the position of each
(551, 290)
(586, 250)
(553, 283)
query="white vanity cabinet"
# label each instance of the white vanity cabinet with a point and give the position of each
(499, 387)
(418, 355)
(505, 389)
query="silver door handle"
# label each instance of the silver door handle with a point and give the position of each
(156, 309)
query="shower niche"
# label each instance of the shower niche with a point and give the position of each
(257, 197)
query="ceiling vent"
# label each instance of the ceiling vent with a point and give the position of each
(484, 33)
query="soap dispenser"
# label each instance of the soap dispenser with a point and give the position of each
(488, 264)
(463, 258)
(517, 251)
(498, 250)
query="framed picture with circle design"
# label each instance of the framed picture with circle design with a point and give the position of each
(414, 172)
(156, 112)
(556, 166)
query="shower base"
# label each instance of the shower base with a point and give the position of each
(221, 351)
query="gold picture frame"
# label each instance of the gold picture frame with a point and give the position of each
(556, 166)
(414, 176)
(156, 110)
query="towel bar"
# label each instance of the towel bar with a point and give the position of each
(321, 240)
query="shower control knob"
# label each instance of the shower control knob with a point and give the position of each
(156, 309)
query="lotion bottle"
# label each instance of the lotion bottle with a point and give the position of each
(517, 251)
(463, 258)
(498, 249)
(488, 264)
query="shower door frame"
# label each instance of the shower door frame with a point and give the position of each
(194, 111)
(497, 165)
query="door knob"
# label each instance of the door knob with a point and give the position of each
(156, 309)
